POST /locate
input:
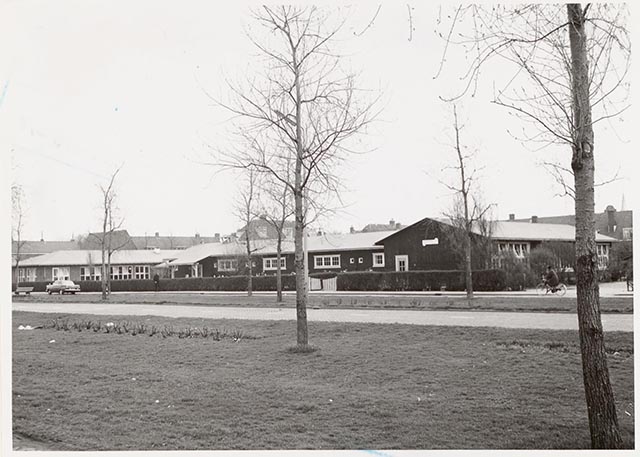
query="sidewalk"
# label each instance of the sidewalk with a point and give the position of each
(549, 321)
(607, 289)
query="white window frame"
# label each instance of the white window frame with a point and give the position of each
(399, 258)
(271, 263)
(60, 273)
(85, 273)
(327, 261)
(97, 274)
(375, 256)
(288, 232)
(22, 274)
(227, 264)
(141, 272)
(627, 233)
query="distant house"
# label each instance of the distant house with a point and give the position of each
(81, 265)
(392, 225)
(157, 241)
(119, 239)
(615, 224)
(261, 229)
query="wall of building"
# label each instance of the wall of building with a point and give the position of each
(409, 242)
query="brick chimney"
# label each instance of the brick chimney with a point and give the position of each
(512, 217)
(216, 238)
(392, 223)
(352, 230)
(534, 219)
(157, 234)
(611, 219)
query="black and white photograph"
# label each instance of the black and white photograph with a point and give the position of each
(376, 229)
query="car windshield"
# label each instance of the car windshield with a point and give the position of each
(66, 283)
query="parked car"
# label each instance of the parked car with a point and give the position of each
(63, 286)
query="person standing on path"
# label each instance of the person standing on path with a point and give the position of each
(156, 282)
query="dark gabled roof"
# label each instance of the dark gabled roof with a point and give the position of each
(381, 241)
(519, 231)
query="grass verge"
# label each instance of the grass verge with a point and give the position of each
(366, 386)
(425, 302)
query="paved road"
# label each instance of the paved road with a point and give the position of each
(554, 321)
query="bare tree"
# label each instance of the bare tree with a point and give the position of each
(246, 209)
(276, 208)
(110, 223)
(570, 70)
(17, 227)
(303, 108)
(467, 211)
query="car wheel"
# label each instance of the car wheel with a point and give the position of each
(61, 292)
(49, 292)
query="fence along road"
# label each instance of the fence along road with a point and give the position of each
(550, 321)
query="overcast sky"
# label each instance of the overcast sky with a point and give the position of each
(86, 86)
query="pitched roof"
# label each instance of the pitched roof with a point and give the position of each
(527, 231)
(329, 242)
(520, 231)
(623, 219)
(93, 257)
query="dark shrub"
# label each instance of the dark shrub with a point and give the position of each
(419, 280)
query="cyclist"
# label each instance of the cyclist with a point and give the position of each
(551, 279)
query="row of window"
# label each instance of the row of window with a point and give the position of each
(94, 273)
(519, 249)
(320, 261)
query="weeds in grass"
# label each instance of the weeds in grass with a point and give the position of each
(525, 345)
(140, 328)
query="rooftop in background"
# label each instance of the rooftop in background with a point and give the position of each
(157, 241)
(392, 225)
(616, 224)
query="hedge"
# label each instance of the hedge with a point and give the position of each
(222, 283)
(483, 280)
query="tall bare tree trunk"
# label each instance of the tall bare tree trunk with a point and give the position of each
(249, 268)
(279, 269)
(603, 420)
(103, 278)
(467, 265)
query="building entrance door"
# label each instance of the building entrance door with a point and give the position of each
(402, 263)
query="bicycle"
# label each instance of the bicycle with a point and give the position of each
(544, 289)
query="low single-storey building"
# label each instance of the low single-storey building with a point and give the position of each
(326, 252)
(428, 244)
(85, 265)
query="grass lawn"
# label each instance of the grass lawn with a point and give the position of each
(367, 387)
(431, 302)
